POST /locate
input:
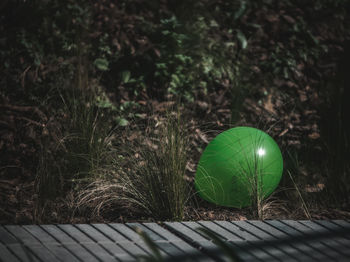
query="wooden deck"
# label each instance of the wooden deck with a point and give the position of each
(273, 240)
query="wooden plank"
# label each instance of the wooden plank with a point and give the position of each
(75, 233)
(111, 233)
(289, 249)
(283, 232)
(22, 252)
(115, 236)
(272, 249)
(178, 242)
(344, 224)
(315, 243)
(58, 234)
(164, 233)
(92, 233)
(241, 252)
(160, 241)
(40, 234)
(289, 231)
(6, 255)
(229, 236)
(152, 235)
(123, 251)
(166, 249)
(253, 230)
(101, 242)
(99, 251)
(193, 237)
(105, 242)
(187, 233)
(6, 237)
(87, 242)
(333, 227)
(32, 243)
(78, 250)
(246, 236)
(42, 253)
(61, 252)
(249, 239)
(131, 235)
(127, 232)
(333, 242)
(22, 235)
(243, 234)
(55, 247)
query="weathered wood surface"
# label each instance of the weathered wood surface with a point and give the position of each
(271, 240)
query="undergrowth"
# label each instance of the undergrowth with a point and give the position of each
(80, 149)
(155, 180)
(198, 52)
(148, 173)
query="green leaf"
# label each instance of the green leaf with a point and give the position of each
(104, 104)
(316, 41)
(254, 25)
(240, 11)
(121, 121)
(37, 61)
(213, 23)
(126, 76)
(175, 79)
(242, 39)
(101, 64)
(229, 44)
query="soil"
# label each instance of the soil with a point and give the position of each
(291, 110)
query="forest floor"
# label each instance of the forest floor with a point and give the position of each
(294, 110)
(19, 199)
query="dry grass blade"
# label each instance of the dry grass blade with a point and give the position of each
(304, 206)
(155, 179)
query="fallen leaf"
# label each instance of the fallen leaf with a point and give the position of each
(316, 188)
(268, 105)
(289, 19)
(157, 52)
(314, 135)
(202, 136)
(202, 105)
(302, 95)
(272, 18)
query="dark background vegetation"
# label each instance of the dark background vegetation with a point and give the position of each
(83, 81)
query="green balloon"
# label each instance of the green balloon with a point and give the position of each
(238, 165)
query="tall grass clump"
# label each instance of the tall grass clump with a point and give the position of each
(253, 172)
(155, 180)
(76, 145)
(295, 183)
(87, 139)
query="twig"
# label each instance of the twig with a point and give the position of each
(31, 121)
(25, 109)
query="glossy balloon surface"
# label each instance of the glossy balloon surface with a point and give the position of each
(237, 165)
